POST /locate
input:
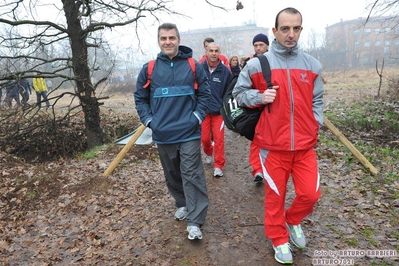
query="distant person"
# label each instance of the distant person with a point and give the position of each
(288, 133)
(121, 79)
(222, 57)
(212, 134)
(234, 65)
(243, 60)
(261, 45)
(40, 87)
(49, 85)
(25, 90)
(174, 109)
(12, 93)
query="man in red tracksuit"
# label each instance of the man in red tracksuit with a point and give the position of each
(288, 134)
(261, 46)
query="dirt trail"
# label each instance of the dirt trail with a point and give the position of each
(233, 232)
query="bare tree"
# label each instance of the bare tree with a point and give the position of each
(37, 28)
(382, 8)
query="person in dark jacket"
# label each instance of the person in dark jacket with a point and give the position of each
(174, 109)
(12, 93)
(234, 65)
(24, 90)
(213, 126)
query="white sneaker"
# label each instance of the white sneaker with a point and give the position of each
(208, 159)
(218, 172)
(181, 213)
(194, 232)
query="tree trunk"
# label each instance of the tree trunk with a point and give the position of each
(86, 92)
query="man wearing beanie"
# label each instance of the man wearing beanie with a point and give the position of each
(261, 46)
(260, 43)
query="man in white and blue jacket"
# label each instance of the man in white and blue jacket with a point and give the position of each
(174, 105)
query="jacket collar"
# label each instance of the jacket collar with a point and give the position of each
(284, 51)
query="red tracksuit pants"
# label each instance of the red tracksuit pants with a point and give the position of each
(278, 166)
(254, 159)
(212, 129)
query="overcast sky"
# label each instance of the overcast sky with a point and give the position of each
(317, 14)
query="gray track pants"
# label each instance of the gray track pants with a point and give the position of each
(185, 178)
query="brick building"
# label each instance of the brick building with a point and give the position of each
(357, 43)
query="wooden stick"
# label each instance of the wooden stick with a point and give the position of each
(125, 149)
(350, 146)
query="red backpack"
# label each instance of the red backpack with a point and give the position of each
(151, 66)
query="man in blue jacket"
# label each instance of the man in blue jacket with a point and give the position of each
(174, 109)
(213, 126)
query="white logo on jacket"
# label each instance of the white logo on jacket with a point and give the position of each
(304, 77)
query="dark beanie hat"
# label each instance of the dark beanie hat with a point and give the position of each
(260, 38)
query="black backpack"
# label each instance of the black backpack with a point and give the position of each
(243, 120)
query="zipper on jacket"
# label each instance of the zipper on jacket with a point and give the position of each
(291, 106)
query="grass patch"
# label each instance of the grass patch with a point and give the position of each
(353, 242)
(90, 154)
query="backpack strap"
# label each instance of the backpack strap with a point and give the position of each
(191, 61)
(264, 63)
(150, 68)
(151, 65)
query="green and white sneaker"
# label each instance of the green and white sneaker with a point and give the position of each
(283, 253)
(296, 235)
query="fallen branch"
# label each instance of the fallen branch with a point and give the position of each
(350, 146)
(123, 152)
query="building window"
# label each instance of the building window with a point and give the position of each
(388, 43)
(397, 42)
(388, 30)
(240, 40)
(366, 44)
(377, 31)
(356, 32)
(229, 40)
(241, 52)
(377, 43)
(357, 44)
(367, 31)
